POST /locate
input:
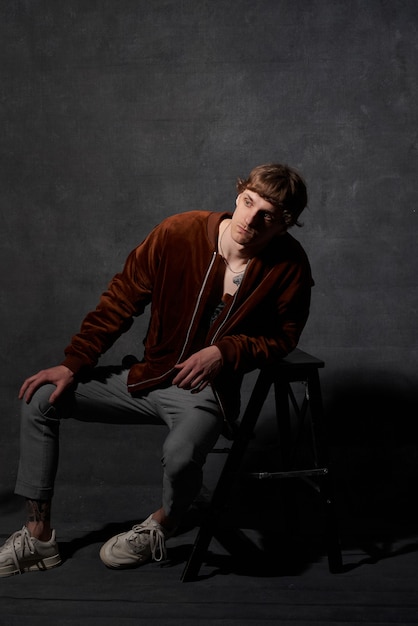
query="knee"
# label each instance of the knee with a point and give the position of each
(39, 406)
(179, 458)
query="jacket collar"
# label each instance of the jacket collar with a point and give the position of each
(214, 220)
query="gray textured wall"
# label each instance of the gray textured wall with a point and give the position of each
(118, 113)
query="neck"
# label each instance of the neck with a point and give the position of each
(234, 256)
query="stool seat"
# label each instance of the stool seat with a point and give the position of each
(299, 366)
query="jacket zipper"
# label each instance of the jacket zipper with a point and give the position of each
(199, 298)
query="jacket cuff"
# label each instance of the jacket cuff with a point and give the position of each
(228, 352)
(74, 363)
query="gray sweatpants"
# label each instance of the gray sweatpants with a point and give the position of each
(194, 422)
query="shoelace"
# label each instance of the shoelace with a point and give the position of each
(141, 535)
(25, 542)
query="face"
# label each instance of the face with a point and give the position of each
(255, 221)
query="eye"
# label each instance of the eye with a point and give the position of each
(268, 217)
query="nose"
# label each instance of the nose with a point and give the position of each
(251, 217)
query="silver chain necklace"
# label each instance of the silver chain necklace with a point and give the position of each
(240, 273)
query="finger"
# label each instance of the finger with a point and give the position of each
(198, 381)
(30, 391)
(178, 378)
(187, 382)
(200, 387)
(25, 386)
(30, 386)
(26, 394)
(22, 390)
(193, 380)
(182, 376)
(54, 395)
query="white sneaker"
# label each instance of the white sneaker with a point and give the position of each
(24, 553)
(144, 542)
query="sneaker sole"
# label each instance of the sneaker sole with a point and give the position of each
(109, 561)
(37, 566)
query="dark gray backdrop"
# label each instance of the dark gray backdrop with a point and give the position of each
(118, 113)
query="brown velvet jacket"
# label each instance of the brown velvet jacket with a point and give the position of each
(178, 271)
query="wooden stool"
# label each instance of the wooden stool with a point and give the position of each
(296, 367)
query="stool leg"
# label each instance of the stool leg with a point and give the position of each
(231, 466)
(284, 430)
(283, 422)
(325, 483)
(199, 549)
(219, 498)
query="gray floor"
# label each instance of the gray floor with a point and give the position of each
(288, 582)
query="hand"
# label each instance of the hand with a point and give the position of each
(60, 376)
(198, 370)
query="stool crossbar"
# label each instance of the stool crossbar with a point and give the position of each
(301, 367)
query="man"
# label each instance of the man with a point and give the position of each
(228, 293)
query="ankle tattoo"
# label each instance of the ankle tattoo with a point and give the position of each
(38, 510)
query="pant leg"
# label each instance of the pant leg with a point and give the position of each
(39, 444)
(104, 397)
(194, 420)
(195, 423)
